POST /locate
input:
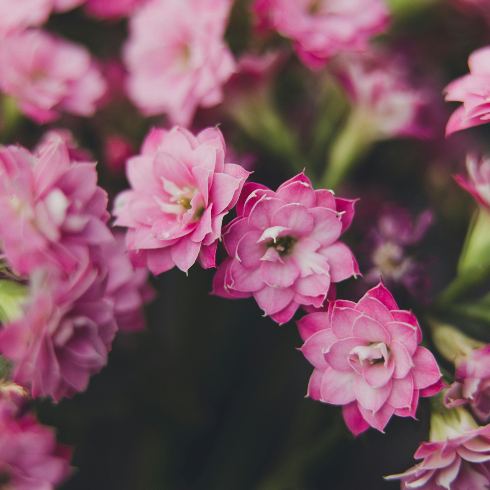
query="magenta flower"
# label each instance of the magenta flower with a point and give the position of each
(379, 87)
(283, 247)
(48, 75)
(30, 456)
(49, 206)
(181, 190)
(367, 359)
(66, 332)
(127, 287)
(478, 183)
(388, 245)
(323, 28)
(457, 458)
(474, 91)
(176, 57)
(472, 383)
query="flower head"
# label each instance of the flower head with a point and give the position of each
(380, 89)
(181, 190)
(49, 205)
(30, 456)
(323, 28)
(474, 91)
(472, 383)
(457, 456)
(367, 359)
(283, 247)
(65, 333)
(387, 245)
(176, 57)
(48, 75)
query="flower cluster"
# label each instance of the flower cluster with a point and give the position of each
(321, 29)
(457, 456)
(54, 237)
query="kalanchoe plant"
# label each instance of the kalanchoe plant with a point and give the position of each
(283, 247)
(181, 190)
(367, 359)
(322, 28)
(457, 456)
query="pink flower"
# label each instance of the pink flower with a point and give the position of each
(367, 359)
(30, 457)
(472, 385)
(117, 150)
(322, 28)
(66, 331)
(49, 207)
(48, 75)
(111, 9)
(176, 57)
(181, 190)
(16, 16)
(381, 92)
(457, 458)
(283, 247)
(474, 91)
(127, 287)
(478, 183)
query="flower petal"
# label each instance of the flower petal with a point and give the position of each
(337, 388)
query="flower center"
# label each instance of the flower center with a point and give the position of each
(283, 244)
(373, 353)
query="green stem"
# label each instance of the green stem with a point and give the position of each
(462, 284)
(474, 261)
(289, 473)
(11, 118)
(348, 150)
(262, 123)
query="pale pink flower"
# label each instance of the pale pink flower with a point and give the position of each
(48, 75)
(474, 91)
(367, 359)
(457, 458)
(322, 28)
(283, 247)
(472, 383)
(176, 57)
(30, 456)
(66, 331)
(181, 190)
(127, 287)
(18, 15)
(49, 206)
(379, 87)
(478, 181)
(111, 9)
